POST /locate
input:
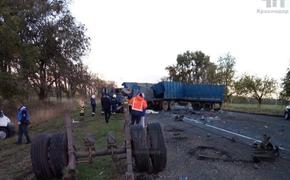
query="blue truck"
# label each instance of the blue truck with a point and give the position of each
(164, 95)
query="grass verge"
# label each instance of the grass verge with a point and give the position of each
(254, 108)
(15, 159)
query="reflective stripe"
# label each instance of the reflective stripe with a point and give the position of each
(138, 106)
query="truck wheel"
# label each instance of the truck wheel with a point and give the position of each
(58, 155)
(40, 158)
(196, 106)
(207, 106)
(3, 133)
(140, 148)
(286, 115)
(165, 105)
(171, 105)
(157, 147)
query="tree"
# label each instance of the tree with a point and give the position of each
(226, 73)
(285, 94)
(41, 46)
(256, 87)
(192, 67)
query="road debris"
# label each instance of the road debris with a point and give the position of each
(149, 111)
(265, 150)
(179, 117)
(209, 153)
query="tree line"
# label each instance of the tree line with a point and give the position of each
(41, 46)
(196, 67)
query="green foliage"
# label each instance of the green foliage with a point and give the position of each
(271, 109)
(255, 87)
(285, 94)
(225, 74)
(192, 67)
(41, 47)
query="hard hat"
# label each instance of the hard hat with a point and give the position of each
(93, 96)
(114, 96)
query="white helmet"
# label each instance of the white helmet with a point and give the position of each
(93, 96)
(114, 96)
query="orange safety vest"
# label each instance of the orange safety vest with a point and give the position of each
(138, 103)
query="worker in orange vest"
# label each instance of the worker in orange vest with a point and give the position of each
(138, 105)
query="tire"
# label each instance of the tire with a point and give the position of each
(207, 106)
(3, 133)
(196, 106)
(58, 154)
(172, 105)
(140, 148)
(40, 158)
(157, 148)
(286, 115)
(165, 105)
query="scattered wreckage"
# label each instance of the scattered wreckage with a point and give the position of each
(263, 150)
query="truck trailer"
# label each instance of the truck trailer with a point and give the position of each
(164, 95)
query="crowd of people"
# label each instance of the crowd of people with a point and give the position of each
(137, 107)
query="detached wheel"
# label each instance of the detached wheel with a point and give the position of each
(157, 148)
(140, 148)
(3, 133)
(58, 156)
(40, 158)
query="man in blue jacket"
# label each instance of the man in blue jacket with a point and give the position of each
(23, 123)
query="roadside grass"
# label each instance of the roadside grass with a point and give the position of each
(15, 159)
(270, 109)
(101, 167)
(41, 111)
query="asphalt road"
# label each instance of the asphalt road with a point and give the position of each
(220, 134)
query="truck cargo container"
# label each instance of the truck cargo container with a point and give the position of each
(199, 95)
(164, 95)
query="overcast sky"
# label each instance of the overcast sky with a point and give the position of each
(134, 40)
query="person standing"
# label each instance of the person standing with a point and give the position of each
(139, 105)
(93, 105)
(106, 105)
(23, 123)
(114, 104)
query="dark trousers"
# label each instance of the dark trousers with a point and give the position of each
(135, 118)
(93, 109)
(23, 129)
(107, 114)
(114, 108)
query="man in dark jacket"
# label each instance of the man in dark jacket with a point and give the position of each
(106, 105)
(23, 123)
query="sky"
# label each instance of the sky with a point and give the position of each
(134, 40)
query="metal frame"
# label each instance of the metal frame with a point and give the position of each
(73, 155)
